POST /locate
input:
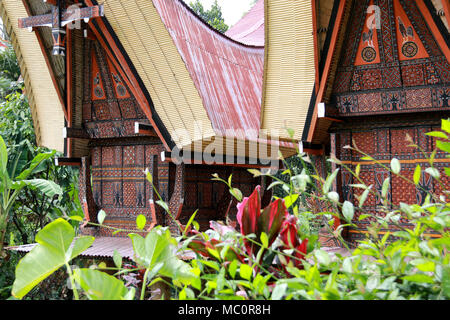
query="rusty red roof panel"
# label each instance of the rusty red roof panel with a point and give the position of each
(227, 74)
(250, 29)
(104, 247)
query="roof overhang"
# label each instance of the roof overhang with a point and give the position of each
(46, 107)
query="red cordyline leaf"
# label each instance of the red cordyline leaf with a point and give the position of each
(271, 220)
(289, 236)
(288, 233)
(249, 211)
(252, 220)
(300, 252)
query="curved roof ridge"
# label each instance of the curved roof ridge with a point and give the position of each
(227, 74)
(223, 35)
(250, 29)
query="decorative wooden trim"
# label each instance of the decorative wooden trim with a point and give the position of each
(327, 68)
(75, 133)
(47, 61)
(73, 162)
(144, 129)
(177, 199)
(85, 195)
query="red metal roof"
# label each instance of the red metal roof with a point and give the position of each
(227, 74)
(250, 29)
(104, 247)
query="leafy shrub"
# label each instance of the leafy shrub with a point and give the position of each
(271, 256)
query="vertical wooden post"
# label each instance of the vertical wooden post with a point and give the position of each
(163, 186)
(85, 193)
(177, 199)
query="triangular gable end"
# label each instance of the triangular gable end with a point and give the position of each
(411, 59)
(409, 43)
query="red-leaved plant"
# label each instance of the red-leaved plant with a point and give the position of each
(274, 220)
(253, 220)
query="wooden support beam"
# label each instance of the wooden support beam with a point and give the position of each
(321, 113)
(177, 200)
(327, 68)
(85, 194)
(310, 148)
(144, 129)
(72, 162)
(58, 19)
(68, 16)
(75, 133)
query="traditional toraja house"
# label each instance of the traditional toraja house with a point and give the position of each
(143, 82)
(135, 84)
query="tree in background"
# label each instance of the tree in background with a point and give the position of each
(32, 209)
(212, 16)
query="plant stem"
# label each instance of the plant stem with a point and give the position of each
(3, 218)
(72, 282)
(144, 284)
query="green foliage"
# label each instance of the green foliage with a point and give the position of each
(157, 251)
(30, 170)
(9, 72)
(213, 16)
(11, 184)
(101, 286)
(406, 263)
(32, 208)
(53, 251)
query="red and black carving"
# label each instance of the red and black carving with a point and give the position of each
(85, 194)
(409, 73)
(109, 108)
(385, 139)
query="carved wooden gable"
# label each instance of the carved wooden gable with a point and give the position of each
(119, 156)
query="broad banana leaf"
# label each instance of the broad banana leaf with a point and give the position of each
(41, 157)
(49, 188)
(51, 253)
(157, 248)
(100, 286)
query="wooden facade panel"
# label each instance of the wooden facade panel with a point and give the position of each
(384, 141)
